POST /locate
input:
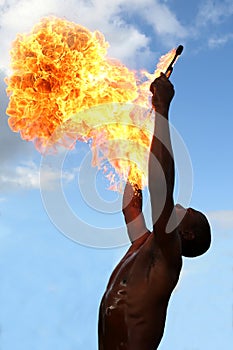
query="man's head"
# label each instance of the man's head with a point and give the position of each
(194, 230)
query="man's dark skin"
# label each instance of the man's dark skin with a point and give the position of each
(133, 309)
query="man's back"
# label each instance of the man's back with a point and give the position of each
(133, 308)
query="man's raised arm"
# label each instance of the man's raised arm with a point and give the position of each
(161, 162)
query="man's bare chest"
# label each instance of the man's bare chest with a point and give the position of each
(141, 274)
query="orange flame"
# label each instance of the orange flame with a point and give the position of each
(64, 86)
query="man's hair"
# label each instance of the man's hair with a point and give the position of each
(201, 243)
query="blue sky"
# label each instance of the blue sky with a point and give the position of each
(51, 285)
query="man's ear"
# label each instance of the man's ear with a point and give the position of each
(188, 235)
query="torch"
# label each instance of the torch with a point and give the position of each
(169, 69)
(178, 52)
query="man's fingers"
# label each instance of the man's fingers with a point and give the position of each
(162, 90)
(160, 81)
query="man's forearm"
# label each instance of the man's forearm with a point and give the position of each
(161, 162)
(132, 210)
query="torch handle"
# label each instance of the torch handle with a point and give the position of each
(169, 71)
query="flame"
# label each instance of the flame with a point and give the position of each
(64, 87)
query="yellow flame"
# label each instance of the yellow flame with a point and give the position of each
(63, 86)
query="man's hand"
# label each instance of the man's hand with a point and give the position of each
(163, 92)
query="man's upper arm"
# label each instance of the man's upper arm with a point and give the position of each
(165, 226)
(163, 212)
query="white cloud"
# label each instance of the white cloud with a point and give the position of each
(124, 48)
(220, 41)
(163, 20)
(27, 176)
(125, 37)
(214, 11)
(222, 219)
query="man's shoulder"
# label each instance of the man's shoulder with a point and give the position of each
(167, 248)
(162, 267)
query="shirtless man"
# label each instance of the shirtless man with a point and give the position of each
(133, 309)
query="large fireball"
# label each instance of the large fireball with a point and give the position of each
(63, 83)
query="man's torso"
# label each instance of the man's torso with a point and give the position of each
(133, 308)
